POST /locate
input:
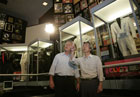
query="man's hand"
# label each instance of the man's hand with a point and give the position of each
(100, 87)
(51, 82)
(78, 87)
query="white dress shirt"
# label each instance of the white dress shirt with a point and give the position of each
(61, 66)
(90, 67)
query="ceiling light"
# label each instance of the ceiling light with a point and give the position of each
(49, 28)
(44, 3)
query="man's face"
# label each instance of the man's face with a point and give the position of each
(86, 48)
(68, 46)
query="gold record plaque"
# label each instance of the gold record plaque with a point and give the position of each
(83, 4)
(67, 1)
(68, 8)
(75, 1)
(58, 7)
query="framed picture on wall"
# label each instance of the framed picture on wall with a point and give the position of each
(77, 8)
(92, 5)
(67, 1)
(75, 1)
(68, 8)
(83, 4)
(2, 23)
(58, 7)
(18, 28)
(86, 14)
(91, 1)
(9, 27)
(69, 17)
(6, 36)
(59, 19)
(2, 16)
(58, 1)
(10, 19)
(17, 37)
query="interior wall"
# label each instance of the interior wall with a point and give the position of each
(36, 32)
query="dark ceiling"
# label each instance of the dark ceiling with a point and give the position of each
(29, 10)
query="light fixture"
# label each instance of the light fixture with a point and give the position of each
(44, 3)
(49, 28)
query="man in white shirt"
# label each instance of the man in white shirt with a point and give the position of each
(91, 72)
(62, 74)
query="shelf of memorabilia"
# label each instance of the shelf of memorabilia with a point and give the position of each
(78, 30)
(41, 54)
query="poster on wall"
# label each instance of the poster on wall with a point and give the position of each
(9, 27)
(75, 1)
(58, 7)
(69, 17)
(77, 8)
(68, 8)
(57, 1)
(83, 4)
(67, 1)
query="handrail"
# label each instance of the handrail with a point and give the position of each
(121, 64)
(24, 74)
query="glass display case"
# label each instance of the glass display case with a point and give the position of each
(41, 55)
(78, 30)
(11, 62)
(116, 24)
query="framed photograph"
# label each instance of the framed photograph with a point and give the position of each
(6, 36)
(2, 16)
(58, 7)
(91, 1)
(10, 19)
(83, 4)
(16, 37)
(93, 5)
(67, 1)
(86, 14)
(17, 28)
(2, 23)
(58, 1)
(75, 1)
(69, 17)
(59, 19)
(9, 27)
(77, 8)
(68, 8)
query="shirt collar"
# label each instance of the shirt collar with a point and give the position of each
(63, 53)
(88, 56)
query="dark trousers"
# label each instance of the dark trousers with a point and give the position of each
(64, 86)
(88, 88)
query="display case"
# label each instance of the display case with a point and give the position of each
(11, 62)
(116, 24)
(78, 30)
(41, 56)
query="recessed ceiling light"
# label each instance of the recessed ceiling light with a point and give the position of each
(44, 3)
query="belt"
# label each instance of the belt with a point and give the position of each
(89, 78)
(64, 76)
